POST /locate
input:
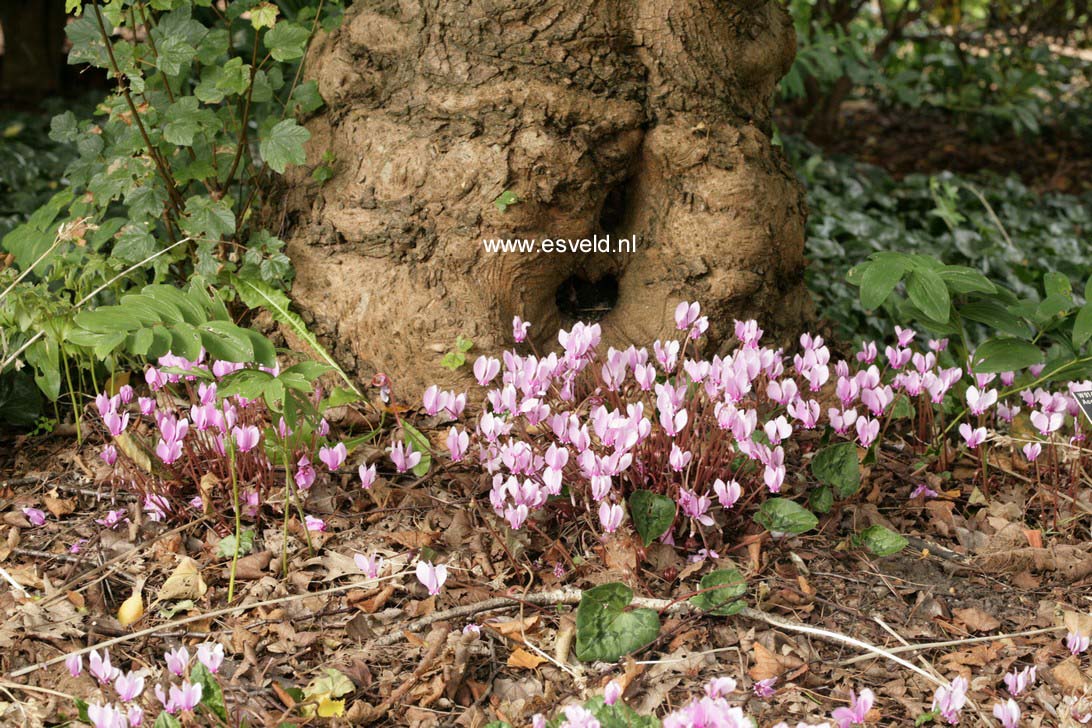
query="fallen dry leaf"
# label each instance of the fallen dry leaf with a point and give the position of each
(976, 620)
(768, 664)
(185, 582)
(521, 658)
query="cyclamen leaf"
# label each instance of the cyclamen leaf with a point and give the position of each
(780, 515)
(212, 696)
(882, 541)
(604, 631)
(723, 600)
(837, 466)
(283, 145)
(652, 514)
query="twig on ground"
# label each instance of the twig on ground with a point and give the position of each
(439, 639)
(572, 596)
(951, 643)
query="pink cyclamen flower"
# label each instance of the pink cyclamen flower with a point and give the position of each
(371, 564)
(1032, 451)
(36, 516)
(486, 368)
(856, 712)
(1047, 422)
(718, 687)
(106, 716)
(1018, 682)
(610, 516)
(334, 456)
(135, 716)
(457, 443)
(950, 699)
(612, 692)
(109, 454)
(367, 475)
(100, 668)
(129, 686)
(923, 491)
(177, 660)
(305, 473)
(678, 459)
(112, 518)
(686, 314)
(868, 429)
(246, 437)
(577, 716)
(432, 577)
(315, 524)
(184, 698)
(519, 329)
(1076, 643)
(404, 457)
(1008, 713)
(972, 436)
(727, 493)
(211, 655)
(765, 688)
(115, 423)
(74, 663)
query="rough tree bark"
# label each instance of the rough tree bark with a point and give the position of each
(621, 117)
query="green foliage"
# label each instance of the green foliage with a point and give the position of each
(456, 357)
(958, 299)
(781, 515)
(652, 514)
(212, 696)
(419, 442)
(618, 715)
(605, 631)
(990, 76)
(995, 234)
(837, 466)
(881, 541)
(163, 181)
(725, 587)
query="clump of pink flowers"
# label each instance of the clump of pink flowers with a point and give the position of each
(122, 699)
(200, 433)
(592, 427)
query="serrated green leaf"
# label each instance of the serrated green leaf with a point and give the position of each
(284, 145)
(286, 41)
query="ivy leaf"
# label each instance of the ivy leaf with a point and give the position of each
(604, 631)
(721, 601)
(837, 466)
(780, 515)
(652, 514)
(283, 145)
(882, 541)
(286, 41)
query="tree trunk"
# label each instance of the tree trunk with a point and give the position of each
(645, 119)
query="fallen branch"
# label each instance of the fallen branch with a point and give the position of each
(572, 596)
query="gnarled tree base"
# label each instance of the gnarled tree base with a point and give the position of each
(635, 119)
